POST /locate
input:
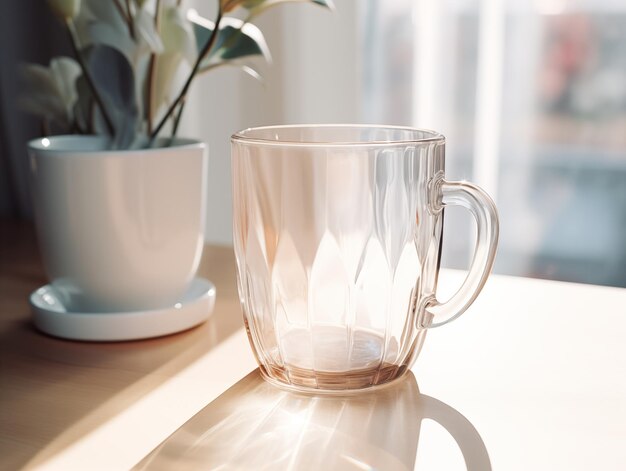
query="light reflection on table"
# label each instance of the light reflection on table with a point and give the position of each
(537, 366)
(254, 425)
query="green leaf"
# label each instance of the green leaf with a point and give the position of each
(244, 68)
(65, 9)
(177, 34)
(40, 96)
(65, 71)
(256, 7)
(251, 72)
(236, 39)
(50, 92)
(167, 80)
(94, 32)
(147, 32)
(114, 80)
(252, 4)
(101, 23)
(263, 6)
(99, 11)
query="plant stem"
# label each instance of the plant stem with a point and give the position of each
(183, 93)
(151, 74)
(177, 119)
(122, 11)
(157, 15)
(150, 91)
(88, 78)
(131, 25)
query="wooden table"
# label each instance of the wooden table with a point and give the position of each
(532, 377)
(54, 393)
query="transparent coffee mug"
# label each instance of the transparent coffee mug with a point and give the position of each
(337, 236)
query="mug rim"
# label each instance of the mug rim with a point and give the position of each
(244, 137)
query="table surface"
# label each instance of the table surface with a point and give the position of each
(532, 377)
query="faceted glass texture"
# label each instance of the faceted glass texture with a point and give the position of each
(337, 234)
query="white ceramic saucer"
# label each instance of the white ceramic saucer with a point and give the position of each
(52, 317)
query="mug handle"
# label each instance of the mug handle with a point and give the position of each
(482, 207)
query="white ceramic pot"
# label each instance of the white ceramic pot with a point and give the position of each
(118, 230)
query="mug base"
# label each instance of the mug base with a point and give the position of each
(336, 383)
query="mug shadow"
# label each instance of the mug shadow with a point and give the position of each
(254, 425)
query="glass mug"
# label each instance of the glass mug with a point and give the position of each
(337, 236)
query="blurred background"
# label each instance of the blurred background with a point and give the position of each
(531, 96)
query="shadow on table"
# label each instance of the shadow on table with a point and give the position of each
(54, 392)
(254, 425)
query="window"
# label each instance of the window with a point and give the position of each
(532, 99)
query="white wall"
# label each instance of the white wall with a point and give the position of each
(314, 78)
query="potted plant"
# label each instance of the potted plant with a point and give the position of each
(118, 197)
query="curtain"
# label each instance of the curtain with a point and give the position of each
(28, 33)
